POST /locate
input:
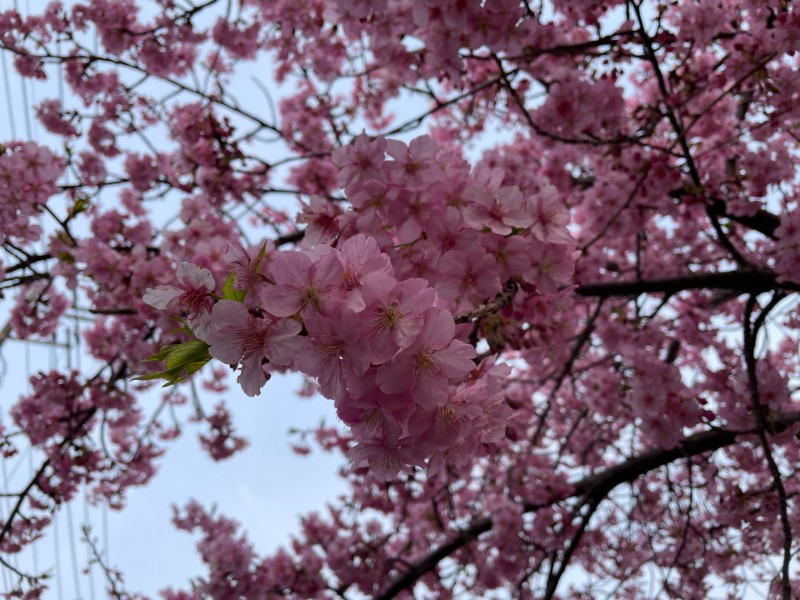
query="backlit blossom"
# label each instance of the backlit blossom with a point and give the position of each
(301, 284)
(238, 337)
(426, 367)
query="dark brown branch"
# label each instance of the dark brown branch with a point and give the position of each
(555, 576)
(751, 282)
(593, 488)
(290, 238)
(502, 299)
(751, 329)
(762, 221)
(28, 261)
(427, 564)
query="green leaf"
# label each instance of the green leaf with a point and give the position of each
(260, 257)
(181, 361)
(228, 291)
(183, 354)
(172, 376)
(161, 355)
(81, 204)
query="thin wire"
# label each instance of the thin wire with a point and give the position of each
(59, 586)
(60, 78)
(4, 506)
(34, 547)
(3, 511)
(6, 583)
(53, 363)
(28, 129)
(73, 552)
(86, 520)
(9, 101)
(106, 547)
(19, 463)
(28, 452)
(28, 107)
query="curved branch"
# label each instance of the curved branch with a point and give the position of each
(502, 299)
(762, 221)
(746, 281)
(593, 488)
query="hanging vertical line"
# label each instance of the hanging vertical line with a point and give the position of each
(29, 110)
(34, 547)
(8, 477)
(9, 101)
(68, 345)
(57, 568)
(73, 552)
(53, 353)
(86, 522)
(4, 510)
(53, 362)
(26, 107)
(6, 582)
(77, 331)
(4, 506)
(104, 514)
(71, 528)
(29, 107)
(17, 466)
(31, 471)
(28, 451)
(60, 77)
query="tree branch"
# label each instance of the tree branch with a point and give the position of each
(502, 299)
(594, 488)
(746, 281)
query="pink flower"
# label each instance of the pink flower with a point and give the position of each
(38, 310)
(385, 456)
(498, 210)
(510, 254)
(550, 216)
(236, 336)
(334, 350)
(142, 171)
(360, 160)
(302, 284)
(246, 270)
(192, 297)
(321, 218)
(470, 275)
(51, 114)
(553, 266)
(221, 441)
(239, 42)
(413, 165)
(361, 258)
(396, 314)
(426, 367)
(91, 168)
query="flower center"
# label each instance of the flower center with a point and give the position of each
(424, 361)
(389, 318)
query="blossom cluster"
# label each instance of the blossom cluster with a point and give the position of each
(439, 302)
(28, 176)
(59, 416)
(372, 318)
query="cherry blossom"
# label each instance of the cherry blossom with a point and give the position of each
(540, 258)
(236, 336)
